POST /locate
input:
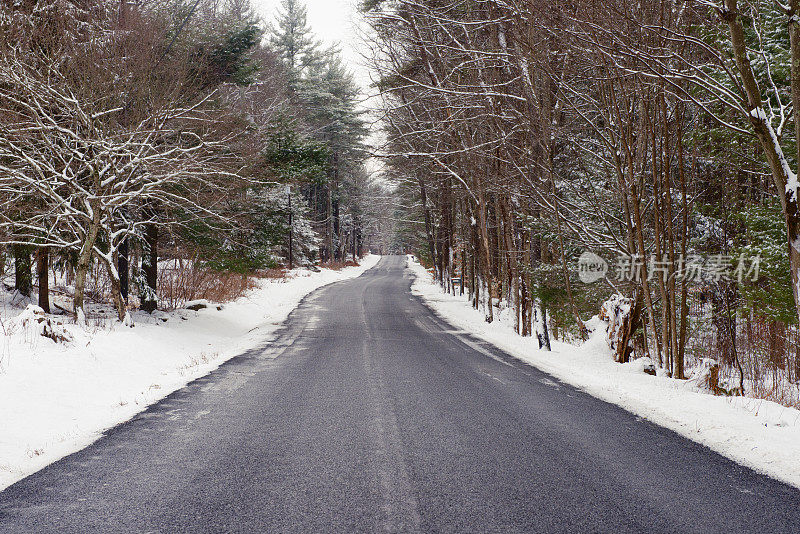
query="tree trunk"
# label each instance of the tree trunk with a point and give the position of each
(330, 230)
(150, 269)
(724, 324)
(23, 279)
(785, 180)
(541, 328)
(84, 264)
(116, 291)
(526, 288)
(427, 214)
(539, 307)
(684, 306)
(123, 269)
(43, 276)
(630, 325)
(485, 254)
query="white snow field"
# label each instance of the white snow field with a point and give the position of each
(762, 435)
(59, 397)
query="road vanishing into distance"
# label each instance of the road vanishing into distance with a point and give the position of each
(367, 413)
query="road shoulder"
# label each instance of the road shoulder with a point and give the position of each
(762, 435)
(59, 398)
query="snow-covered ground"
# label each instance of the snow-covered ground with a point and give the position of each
(762, 435)
(57, 398)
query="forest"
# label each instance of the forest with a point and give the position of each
(556, 160)
(549, 162)
(152, 153)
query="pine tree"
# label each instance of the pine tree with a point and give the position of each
(326, 96)
(293, 40)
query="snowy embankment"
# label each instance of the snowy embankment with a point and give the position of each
(57, 398)
(762, 435)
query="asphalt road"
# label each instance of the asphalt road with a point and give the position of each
(370, 414)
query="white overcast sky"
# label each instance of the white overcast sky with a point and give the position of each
(332, 21)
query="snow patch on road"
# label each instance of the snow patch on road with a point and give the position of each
(762, 435)
(59, 397)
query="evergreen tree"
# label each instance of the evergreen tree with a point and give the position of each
(326, 97)
(293, 40)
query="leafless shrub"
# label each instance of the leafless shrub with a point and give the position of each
(183, 281)
(338, 265)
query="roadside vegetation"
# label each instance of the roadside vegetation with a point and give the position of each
(656, 142)
(154, 153)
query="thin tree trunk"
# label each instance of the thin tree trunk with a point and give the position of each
(428, 225)
(43, 277)
(485, 255)
(85, 262)
(542, 332)
(679, 355)
(150, 269)
(123, 269)
(116, 290)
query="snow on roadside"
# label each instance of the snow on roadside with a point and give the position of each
(59, 398)
(762, 435)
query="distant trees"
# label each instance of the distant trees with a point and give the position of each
(327, 99)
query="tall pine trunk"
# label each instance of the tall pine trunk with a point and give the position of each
(428, 225)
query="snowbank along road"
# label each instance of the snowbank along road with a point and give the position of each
(368, 413)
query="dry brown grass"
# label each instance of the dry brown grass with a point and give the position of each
(187, 282)
(272, 274)
(338, 265)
